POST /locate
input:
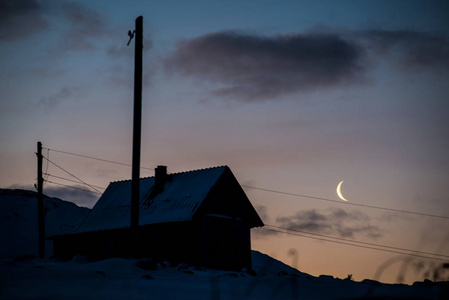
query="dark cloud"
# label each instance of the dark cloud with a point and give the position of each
(255, 67)
(336, 222)
(116, 51)
(85, 25)
(262, 211)
(117, 75)
(411, 49)
(24, 18)
(19, 186)
(124, 50)
(76, 194)
(62, 95)
(21, 18)
(262, 232)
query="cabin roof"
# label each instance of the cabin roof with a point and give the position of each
(182, 195)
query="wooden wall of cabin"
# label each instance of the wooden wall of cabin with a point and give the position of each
(226, 243)
(175, 242)
(178, 242)
(215, 242)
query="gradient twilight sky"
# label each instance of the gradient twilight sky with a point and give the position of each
(293, 96)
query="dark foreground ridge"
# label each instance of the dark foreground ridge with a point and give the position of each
(29, 277)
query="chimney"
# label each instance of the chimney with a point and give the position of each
(160, 177)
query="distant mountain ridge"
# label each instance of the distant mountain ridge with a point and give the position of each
(18, 221)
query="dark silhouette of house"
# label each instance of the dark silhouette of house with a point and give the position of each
(200, 217)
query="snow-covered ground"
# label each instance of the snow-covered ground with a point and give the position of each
(119, 278)
(23, 276)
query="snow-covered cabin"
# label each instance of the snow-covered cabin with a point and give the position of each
(201, 217)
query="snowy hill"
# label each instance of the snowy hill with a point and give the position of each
(18, 221)
(23, 276)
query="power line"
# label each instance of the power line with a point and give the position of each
(96, 158)
(72, 175)
(46, 167)
(354, 245)
(347, 203)
(62, 178)
(73, 187)
(275, 191)
(322, 237)
(359, 242)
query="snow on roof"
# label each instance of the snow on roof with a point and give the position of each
(178, 201)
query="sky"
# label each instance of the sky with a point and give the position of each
(294, 96)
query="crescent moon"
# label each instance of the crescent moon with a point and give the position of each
(339, 192)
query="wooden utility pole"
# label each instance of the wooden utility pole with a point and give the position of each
(40, 202)
(137, 125)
